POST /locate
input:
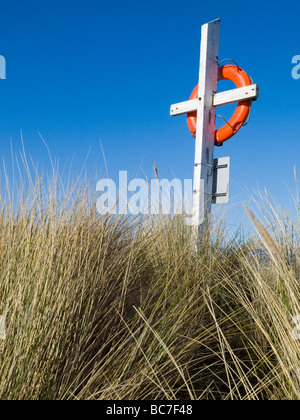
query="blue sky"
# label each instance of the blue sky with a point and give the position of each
(80, 71)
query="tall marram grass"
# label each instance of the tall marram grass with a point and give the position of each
(116, 308)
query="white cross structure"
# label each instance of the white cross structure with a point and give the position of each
(211, 176)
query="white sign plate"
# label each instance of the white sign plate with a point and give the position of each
(221, 180)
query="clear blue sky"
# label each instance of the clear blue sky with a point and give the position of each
(80, 71)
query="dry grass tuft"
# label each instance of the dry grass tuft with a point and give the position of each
(115, 308)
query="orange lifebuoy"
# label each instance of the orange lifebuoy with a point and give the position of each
(241, 79)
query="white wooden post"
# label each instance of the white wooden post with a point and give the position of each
(205, 129)
(211, 176)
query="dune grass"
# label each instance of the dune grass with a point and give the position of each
(116, 308)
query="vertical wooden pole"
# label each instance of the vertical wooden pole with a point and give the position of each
(205, 135)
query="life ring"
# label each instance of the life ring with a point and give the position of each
(241, 79)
